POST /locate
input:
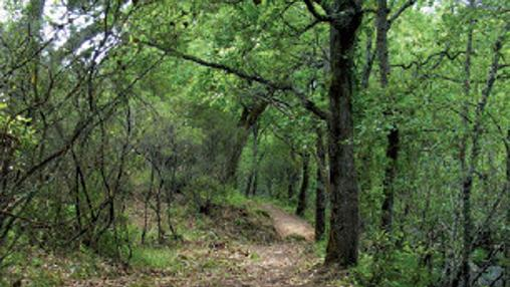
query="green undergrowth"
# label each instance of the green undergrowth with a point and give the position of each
(151, 257)
(233, 221)
(165, 259)
(36, 267)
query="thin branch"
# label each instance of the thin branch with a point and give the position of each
(419, 64)
(399, 12)
(315, 13)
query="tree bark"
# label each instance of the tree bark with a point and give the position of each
(301, 207)
(466, 186)
(507, 242)
(392, 149)
(320, 196)
(382, 42)
(467, 182)
(343, 240)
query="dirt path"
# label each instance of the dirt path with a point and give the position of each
(288, 225)
(283, 263)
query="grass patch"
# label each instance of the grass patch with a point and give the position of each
(158, 258)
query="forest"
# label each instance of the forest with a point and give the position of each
(360, 143)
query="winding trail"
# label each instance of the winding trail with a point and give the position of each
(286, 263)
(288, 225)
(283, 263)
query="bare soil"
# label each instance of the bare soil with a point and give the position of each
(288, 225)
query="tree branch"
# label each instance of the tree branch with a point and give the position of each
(440, 54)
(315, 13)
(305, 102)
(399, 12)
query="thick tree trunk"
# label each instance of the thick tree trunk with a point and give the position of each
(320, 196)
(301, 207)
(343, 241)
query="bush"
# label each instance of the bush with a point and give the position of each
(205, 190)
(391, 266)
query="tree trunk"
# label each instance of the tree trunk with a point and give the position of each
(77, 201)
(389, 178)
(291, 177)
(343, 241)
(507, 242)
(382, 42)
(392, 149)
(168, 198)
(320, 196)
(369, 61)
(146, 204)
(248, 184)
(35, 24)
(254, 186)
(251, 185)
(467, 182)
(159, 220)
(301, 207)
(255, 171)
(249, 117)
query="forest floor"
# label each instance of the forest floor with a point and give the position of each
(255, 244)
